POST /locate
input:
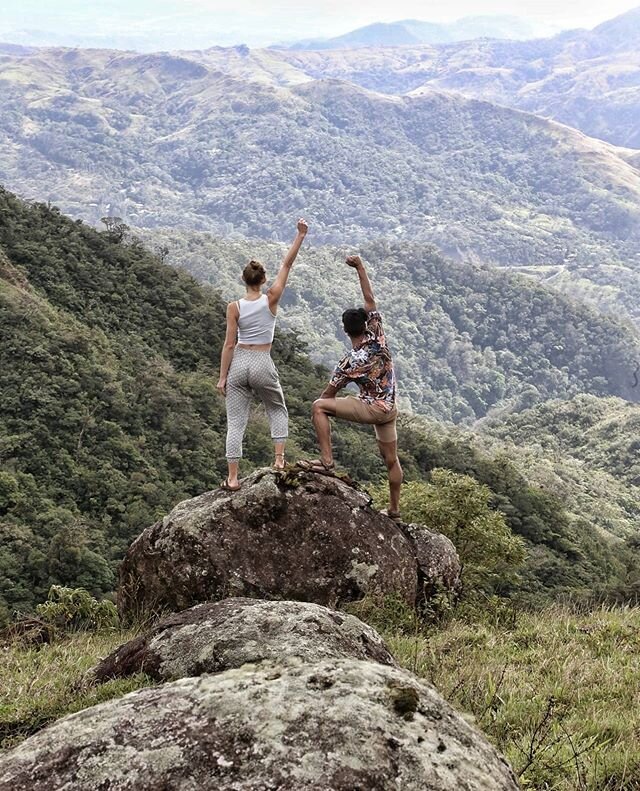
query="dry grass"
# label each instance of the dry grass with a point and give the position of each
(557, 692)
(41, 684)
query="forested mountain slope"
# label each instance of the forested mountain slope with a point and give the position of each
(109, 415)
(234, 141)
(467, 339)
(586, 79)
(601, 434)
(606, 497)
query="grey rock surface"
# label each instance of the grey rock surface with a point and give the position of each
(295, 535)
(217, 636)
(437, 558)
(339, 725)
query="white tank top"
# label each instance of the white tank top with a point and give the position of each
(256, 323)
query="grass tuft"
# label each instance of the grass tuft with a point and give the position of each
(556, 691)
(40, 684)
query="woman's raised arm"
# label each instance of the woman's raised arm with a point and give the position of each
(275, 292)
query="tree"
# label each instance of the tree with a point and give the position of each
(116, 229)
(162, 251)
(458, 507)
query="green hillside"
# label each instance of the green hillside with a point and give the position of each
(466, 339)
(109, 416)
(614, 290)
(583, 452)
(600, 434)
(587, 544)
(109, 413)
(235, 141)
(587, 79)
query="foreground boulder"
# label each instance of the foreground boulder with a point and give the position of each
(340, 725)
(295, 535)
(217, 636)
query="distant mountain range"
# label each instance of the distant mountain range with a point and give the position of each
(413, 31)
(414, 143)
(587, 79)
(239, 141)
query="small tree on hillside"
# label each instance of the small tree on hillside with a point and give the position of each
(458, 507)
(116, 229)
(162, 251)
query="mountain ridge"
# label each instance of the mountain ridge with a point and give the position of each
(588, 79)
(416, 31)
(190, 141)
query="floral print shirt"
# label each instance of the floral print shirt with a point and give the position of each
(369, 365)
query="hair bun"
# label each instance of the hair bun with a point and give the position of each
(253, 273)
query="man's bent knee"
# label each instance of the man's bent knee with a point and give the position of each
(326, 405)
(389, 452)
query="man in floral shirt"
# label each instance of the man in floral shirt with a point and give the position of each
(370, 366)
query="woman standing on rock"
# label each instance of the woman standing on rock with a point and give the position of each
(246, 366)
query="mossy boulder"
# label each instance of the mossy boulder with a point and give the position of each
(217, 636)
(294, 536)
(338, 725)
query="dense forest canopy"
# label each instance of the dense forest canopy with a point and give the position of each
(467, 339)
(598, 486)
(109, 416)
(603, 434)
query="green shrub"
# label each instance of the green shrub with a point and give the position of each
(76, 609)
(458, 506)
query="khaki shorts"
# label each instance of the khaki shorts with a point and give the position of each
(358, 411)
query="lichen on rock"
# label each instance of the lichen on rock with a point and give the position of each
(217, 636)
(338, 725)
(304, 537)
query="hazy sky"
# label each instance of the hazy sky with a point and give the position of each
(199, 23)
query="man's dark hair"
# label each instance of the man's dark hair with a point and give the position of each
(354, 321)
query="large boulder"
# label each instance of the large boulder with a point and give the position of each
(217, 636)
(340, 725)
(295, 535)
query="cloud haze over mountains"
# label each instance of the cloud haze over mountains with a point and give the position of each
(198, 24)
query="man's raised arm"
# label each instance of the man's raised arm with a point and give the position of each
(365, 284)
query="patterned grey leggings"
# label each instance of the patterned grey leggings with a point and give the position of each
(253, 372)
